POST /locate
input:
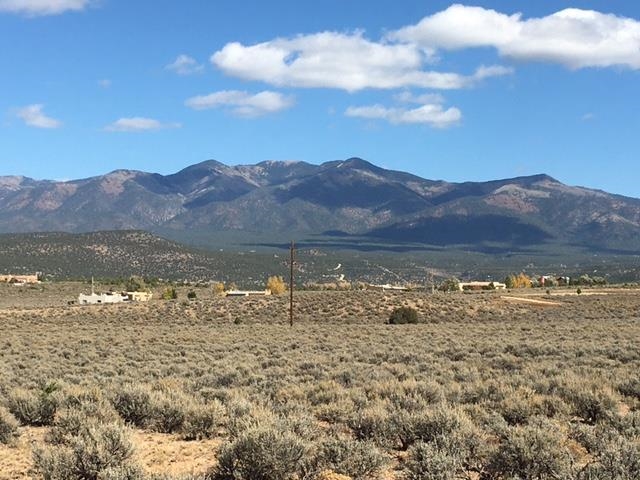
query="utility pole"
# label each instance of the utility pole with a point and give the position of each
(291, 261)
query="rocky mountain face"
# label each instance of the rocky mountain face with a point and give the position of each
(349, 198)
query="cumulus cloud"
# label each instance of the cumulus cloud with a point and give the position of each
(339, 60)
(42, 7)
(138, 124)
(185, 65)
(33, 116)
(572, 37)
(432, 113)
(241, 103)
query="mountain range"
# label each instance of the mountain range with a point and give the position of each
(347, 199)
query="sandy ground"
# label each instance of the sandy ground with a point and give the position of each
(532, 301)
(155, 452)
(15, 459)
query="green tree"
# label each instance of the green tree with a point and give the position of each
(450, 285)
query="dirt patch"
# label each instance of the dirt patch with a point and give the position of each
(15, 459)
(165, 453)
(532, 301)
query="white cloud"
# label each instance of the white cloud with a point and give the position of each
(337, 60)
(408, 97)
(104, 83)
(432, 113)
(138, 124)
(587, 117)
(35, 117)
(572, 37)
(241, 103)
(185, 65)
(42, 7)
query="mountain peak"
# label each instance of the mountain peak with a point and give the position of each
(206, 165)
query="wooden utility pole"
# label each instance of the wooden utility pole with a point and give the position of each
(291, 261)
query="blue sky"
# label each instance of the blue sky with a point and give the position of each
(469, 91)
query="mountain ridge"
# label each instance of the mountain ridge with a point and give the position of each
(352, 196)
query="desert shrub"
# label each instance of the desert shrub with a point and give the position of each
(277, 285)
(170, 293)
(168, 412)
(8, 426)
(522, 404)
(354, 458)
(629, 425)
(192, 295)
(242, 416)
(35, 408)
(264, 454)
(402, 315)
(75, 396)
(335, 412)
(591, 405)
(128, 472)
(69, 421)
(630, 388)
(427, 461)
(612, 454)
(97, 450)
(433, 424)
(372, 423)
(133, 404)
(534, 451)
(202, 421)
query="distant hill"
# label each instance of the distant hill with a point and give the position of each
(350, 198)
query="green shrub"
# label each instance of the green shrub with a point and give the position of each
(8, 426)
(426, 461)
(535, 451)
(372, 423)
(592, 405)
(170, 293)
(354, 458)
(36, 408)
(614, 452)
(70, 421)
(243, 416)
(133, 404)
(630, 388)
(168, 412)
(433, 424)
(402, 315)
(96, 451)
(202, 421)
(263, 454)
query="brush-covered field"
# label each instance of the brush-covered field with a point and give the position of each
(484, 387)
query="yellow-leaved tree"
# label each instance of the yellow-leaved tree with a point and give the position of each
(276, 285)
(218, 288)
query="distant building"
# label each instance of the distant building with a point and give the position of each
(248, 293)
(139, 296)
(102, 298)
(386, 287)
(19, 279)
(481, 286)
(113, 297)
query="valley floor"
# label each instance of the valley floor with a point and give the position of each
(486, 386)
